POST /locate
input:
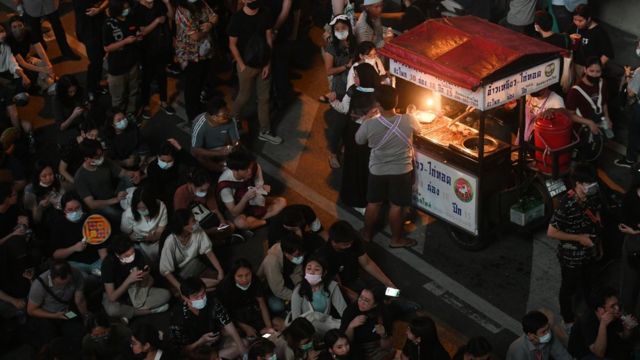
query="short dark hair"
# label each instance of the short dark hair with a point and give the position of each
(543, 20)
(167, 149)
(584, 173)
(120, 244)
(332, 336)
(215, 105)
(598, 297)
(100, 319)
(116, 7)
(240, 160)
(293, 217)
(87, 125)
(367, 75)
(260, 347)
(60, 269)
(592, 60)
(6, 189)
(89, 148)
(291, 243)
(179, 220)
(69, 196)
(478, 346)
(534, 321)
(365, 47)
(342, 232)
(387, 97)
(583, 10)
(198, 177)
(298, 330)
(15, 18)
(191, 286)
(145, 333)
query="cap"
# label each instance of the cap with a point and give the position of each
(338, 17)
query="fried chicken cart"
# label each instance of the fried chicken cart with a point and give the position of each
(462, 164)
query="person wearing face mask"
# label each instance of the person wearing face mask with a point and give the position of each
(125, 145)
(99, 180)
(68, 242)
(43, 194)
(367, 53)
(282, 269)
(166, 171)
(338, 346)
(369, 25)
(70, 156)
(214, 136)
(202, 321)
(576, 224)
(121, 37)
(105, 340)
(144, 222)
(317, 297)
(262, 349)
(632, 81)
(298, 341)
(538, 342)
(126, 276)
(182, 250)
(242, 295)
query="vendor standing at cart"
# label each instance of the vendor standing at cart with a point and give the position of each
(577, 225)
(390, 137)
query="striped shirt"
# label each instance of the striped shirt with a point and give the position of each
(206, 136)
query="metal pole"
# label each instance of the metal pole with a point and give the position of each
(521, 125)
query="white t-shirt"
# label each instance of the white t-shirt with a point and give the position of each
(176, 256)
(142, 228)
(226, 194)
(537, 105)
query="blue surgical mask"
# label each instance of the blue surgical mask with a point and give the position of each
(273, 357)
(199, 304)
(74, 216)
(122, 124)
(144, 212)
(125, 12)
(545, 338)
(201, 194)
(164, 165)
(297, 260)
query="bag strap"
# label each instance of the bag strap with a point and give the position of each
(589, 100)
(50, 292)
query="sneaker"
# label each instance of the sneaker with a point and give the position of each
(146, 113)
(168, 109)
(269, 137)
(360, 210)
(623, 162)
(160, 309)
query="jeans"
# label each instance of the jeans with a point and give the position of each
(124, 89)
(246, 81)
(575, 281)
(58, 30)
(196, 77)
(276, 305)
(633, 133)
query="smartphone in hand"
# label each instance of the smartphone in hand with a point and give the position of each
(392, 292)
(70, 315)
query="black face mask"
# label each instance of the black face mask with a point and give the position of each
(593, 79)
(255, 5)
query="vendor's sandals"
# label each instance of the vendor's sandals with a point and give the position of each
(407, 244)
(334, 163)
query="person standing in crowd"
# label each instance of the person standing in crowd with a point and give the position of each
(563, 12)
(630, 259)
(251, 42)
(538, 342)
(106, 340)
(153, 18)
(520, 16)
(592, 38)
(214, 136)
(144, 222)
(37, 10)
(390, 137)
(576, 224)
(90, 17)
(543, 25)
(194, 51)
(416, 12)
(422, 341)
(601, 332)
(283, 13)
(367, 53)
(369, 25)
(632, 78)
(120, 37)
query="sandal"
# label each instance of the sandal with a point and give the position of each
(334, 163)
(410, 243)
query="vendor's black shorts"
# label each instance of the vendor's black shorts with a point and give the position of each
(396, 189)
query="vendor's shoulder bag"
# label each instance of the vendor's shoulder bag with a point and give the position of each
(590, 145)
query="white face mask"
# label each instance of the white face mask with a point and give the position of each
(164, 165)
(199, 304)
(200, 194)
(297, 260)
(313, 279)
(341, 35)
(122, 124)
(97, 162)
(128, 259)
(195, 227)
(144, 212)
(45, 185)
(74, 216)
(243, 288)
(545, 338)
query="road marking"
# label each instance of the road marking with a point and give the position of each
(485, 313)
(544, 283)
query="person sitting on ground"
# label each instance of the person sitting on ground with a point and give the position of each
(124, 140)
(43, 194)
(477, 348)
(13, 79)
(602, 332)
(180, 257)
(538, 342)
(318, 294)
(198, 196)
(166, 171)
(202, 321)
(147, 343)
(298, 337)
(70, 157)
(366, 323)
(301, 220)
(214, 136)
(51, 297)
(261, 349)
(242, 295)
(106, 340)
(422, 341)
(338, 346)
(69, 106)
(96, 181)
(128, 283)
(69, 243)
(345, 255)
(144, 222)
(242, 190)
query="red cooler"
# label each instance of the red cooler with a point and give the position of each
(552, 131)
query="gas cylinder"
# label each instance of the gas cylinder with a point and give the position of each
(552, 131)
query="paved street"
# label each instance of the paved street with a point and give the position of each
(468, 293)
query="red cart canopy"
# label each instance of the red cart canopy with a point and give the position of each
(463, 50)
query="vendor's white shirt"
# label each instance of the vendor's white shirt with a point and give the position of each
(377, 64)
(538, 105)
(142, 228)
(175, 255)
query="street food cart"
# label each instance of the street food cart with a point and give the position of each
(462, 166)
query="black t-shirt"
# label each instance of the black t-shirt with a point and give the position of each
(363, 333)
(343, 263)
(631, 209)
(71, 155)
(65, 233)
(88, 28)
(186, 327)
(156, 44)
(14, 260)
(23, 46)
(8, 221)
(242, 305)
(122, 60)
(275, 7)
(585, 332)
(115, 272)
(244, 26)
(594, 42)
(121, 146)
(559, 40)
(415, 15)
(437, 352)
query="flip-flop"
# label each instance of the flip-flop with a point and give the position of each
(323, 99)
(411, 243)
(334, 163)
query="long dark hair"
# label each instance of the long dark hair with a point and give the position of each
(38, 190)
(305, 288)
(62, 90)
(367, 75)
(146, 196)
(179, 220)
(147, 333)
(229, 281)
(424, 328)
(298, 330)
(352, 43)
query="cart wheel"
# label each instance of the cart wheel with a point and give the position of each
(467, 241)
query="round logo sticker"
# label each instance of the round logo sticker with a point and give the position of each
(463, 190)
